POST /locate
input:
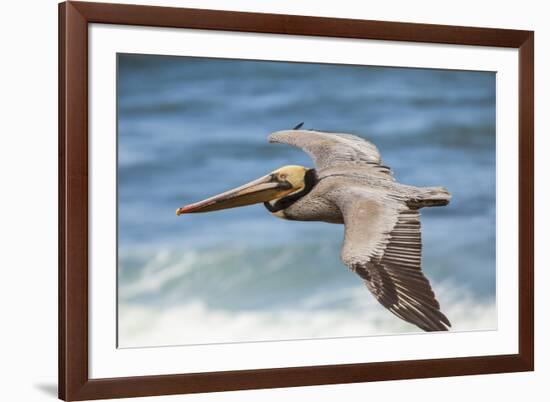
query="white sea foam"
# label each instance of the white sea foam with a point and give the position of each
(196, 323)
(160, 269)
(240, 294)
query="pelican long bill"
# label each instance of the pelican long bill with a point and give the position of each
(266, 188)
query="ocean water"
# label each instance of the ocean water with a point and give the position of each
(189, 128)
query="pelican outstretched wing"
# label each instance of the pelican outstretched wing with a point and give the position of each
(382, 244)
(333, 149)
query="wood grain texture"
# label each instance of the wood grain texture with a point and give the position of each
(61, 207)
(73, 201)
(74, 382)
(526, 233)
(298, 25)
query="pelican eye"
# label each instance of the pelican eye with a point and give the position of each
(283, 176)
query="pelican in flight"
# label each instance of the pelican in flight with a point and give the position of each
(349, 185)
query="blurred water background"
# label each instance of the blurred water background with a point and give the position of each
(189, 128)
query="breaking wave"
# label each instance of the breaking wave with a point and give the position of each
(178, 297)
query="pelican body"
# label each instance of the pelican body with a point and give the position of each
(349, 185)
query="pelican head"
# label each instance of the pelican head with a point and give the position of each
(273, 186)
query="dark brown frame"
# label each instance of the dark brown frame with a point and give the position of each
(74, 383)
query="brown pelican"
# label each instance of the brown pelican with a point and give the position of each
(350, 185)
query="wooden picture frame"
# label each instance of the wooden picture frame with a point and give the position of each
(74, 381)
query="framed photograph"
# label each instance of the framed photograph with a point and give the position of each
(260, 200)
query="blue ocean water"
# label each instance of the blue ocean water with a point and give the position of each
(189, 128)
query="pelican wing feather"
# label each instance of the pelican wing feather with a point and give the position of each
(382, 244)
(334, 149)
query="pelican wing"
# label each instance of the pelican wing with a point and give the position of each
(333, 149)
(382, 244)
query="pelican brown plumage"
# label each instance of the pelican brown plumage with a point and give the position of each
(350, 185)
